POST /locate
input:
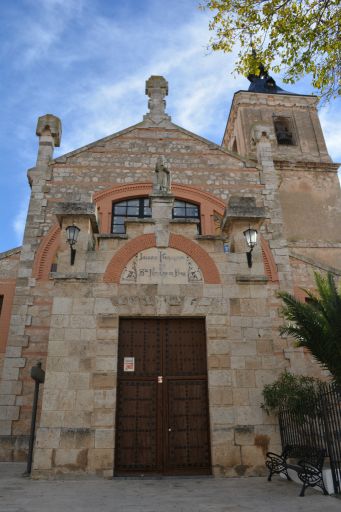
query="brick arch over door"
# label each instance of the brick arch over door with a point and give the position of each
(209, 204)
(50, 243)
(130, 249)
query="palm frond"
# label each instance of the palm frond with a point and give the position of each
(316, 324)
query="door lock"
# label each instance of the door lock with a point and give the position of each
(160, 379)
(169, 430)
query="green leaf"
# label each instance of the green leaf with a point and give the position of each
(316, 325)
(301, 36)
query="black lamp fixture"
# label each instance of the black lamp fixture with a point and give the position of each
(72, 235)
(251, 240)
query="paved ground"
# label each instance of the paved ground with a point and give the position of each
(19, 494)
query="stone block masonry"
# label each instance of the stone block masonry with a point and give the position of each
(69, 317)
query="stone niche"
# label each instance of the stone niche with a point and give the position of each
(161, 266)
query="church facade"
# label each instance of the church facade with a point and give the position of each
(133, 288)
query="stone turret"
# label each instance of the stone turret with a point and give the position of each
(49, 131)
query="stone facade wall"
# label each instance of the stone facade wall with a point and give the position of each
(78, 421)
(69, 318)
(312, 195)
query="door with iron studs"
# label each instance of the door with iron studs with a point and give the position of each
(162, 421)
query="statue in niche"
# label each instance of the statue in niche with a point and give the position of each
(162, 181)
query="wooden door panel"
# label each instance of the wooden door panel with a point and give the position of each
(137, 427)
(185, 347)
(188, 440)
(174, 349)
(140, 338)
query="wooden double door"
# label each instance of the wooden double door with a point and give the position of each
(162, 421)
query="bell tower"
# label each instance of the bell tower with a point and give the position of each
(281, 131)
(291, 120)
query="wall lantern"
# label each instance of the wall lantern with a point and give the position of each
(251, 240)
(72, 235)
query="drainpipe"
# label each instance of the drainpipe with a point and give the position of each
(38, 375)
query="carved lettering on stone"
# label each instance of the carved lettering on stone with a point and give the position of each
(161, 266)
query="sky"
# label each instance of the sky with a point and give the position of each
(86, 61)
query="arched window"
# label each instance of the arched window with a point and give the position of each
(137, 208)
(140, 208)
(284, 131)
(185, 210)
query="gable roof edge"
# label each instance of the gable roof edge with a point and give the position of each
(103, 140)
(10, 252)
(98, 142)
(245, 161)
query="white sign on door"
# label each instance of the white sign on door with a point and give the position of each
(129, 364)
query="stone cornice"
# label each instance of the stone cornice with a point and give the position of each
(248, 278)
(316, 244)
(286, 165)
(75, 276)
(80, 209)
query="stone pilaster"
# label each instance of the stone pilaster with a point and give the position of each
(162, 206)
(262, 135)
(49, 133)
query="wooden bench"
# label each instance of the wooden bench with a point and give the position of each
(308, 468)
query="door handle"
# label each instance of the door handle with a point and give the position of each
(169, 430)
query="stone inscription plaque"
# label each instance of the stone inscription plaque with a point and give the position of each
(161, 266)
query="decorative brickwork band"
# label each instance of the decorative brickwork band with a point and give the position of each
(46, 253)
(269, 262)
(125, 254)
(50, 243)
(209, 204)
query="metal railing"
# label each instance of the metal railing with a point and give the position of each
(318, 426)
